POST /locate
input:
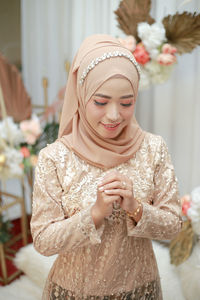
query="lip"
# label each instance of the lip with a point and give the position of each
(111, 127)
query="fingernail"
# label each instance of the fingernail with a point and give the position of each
(107, 191)
(101, 189)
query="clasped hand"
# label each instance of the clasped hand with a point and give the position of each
(114, 188)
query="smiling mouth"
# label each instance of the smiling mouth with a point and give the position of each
(111, 126)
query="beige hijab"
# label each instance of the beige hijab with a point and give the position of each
(75, 132)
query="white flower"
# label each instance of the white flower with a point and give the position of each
(10, 132)
(13, 160)
(154, 53)
(196, 227)
(193, 214)
(152, 36)
(195, 194)
(194, 211)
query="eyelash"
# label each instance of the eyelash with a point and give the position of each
(104, 103)
(100, 103)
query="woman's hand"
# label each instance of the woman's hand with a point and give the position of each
(103, 207)
(117, 184)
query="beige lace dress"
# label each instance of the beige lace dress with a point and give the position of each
(116, 261)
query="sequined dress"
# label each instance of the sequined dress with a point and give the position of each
(115, 261)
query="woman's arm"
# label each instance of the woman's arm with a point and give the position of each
(161, 220)
(52, 230)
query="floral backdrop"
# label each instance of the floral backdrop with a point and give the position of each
(156, 45)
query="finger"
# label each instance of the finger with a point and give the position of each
(110, 178)
(119, 192)
(116, 205)
(110, 186)
(111, 198)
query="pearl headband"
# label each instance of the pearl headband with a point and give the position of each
(105, 56)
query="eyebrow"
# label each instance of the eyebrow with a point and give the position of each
(108, 97)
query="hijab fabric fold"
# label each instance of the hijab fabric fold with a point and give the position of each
(75, 132)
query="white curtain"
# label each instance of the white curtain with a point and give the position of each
(173, 109)
(52, 32)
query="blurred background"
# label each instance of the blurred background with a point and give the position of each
(38, 40)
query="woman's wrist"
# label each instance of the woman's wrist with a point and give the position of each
(97, 217)
(136, 213)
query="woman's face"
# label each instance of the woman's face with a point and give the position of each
(111, 107)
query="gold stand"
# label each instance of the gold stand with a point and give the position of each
(5, 248)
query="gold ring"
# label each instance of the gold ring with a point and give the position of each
(124, 184)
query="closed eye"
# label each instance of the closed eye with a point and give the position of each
(100, 103)
(126, 104)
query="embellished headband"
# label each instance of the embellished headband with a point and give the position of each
(105, 56)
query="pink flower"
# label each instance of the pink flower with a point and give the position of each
(168, 49)
(25, 152)
(129, 42)
(61, 93)
(186, 203)
(166, 59)
(141, 55)
(31, 130)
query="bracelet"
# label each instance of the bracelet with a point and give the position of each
(135, 212)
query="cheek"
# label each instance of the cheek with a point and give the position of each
(128, 113)
(93, 113)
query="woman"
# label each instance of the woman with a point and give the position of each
(105, 188)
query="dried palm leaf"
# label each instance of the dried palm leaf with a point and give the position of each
(17, 100)
(181, 246)
(132, 12)
(183, 31)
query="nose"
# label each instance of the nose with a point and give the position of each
(112, 113)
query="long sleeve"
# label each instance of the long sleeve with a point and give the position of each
(52, 229)
(160, 219)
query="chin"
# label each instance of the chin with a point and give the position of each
(110, 135)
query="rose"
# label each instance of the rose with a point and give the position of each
(166, 59)
(31, 130)
(186, 204)
(25, 152)
(168, 49)
(129, 42)
(141, 55)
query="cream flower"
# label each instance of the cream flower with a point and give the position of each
(145, 80)
(157, 72)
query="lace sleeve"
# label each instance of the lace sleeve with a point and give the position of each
(54, 232)
(161, 220)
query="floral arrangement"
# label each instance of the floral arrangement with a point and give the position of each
(181, 247)
(191, 209)
(17, 151)
(156, 45)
